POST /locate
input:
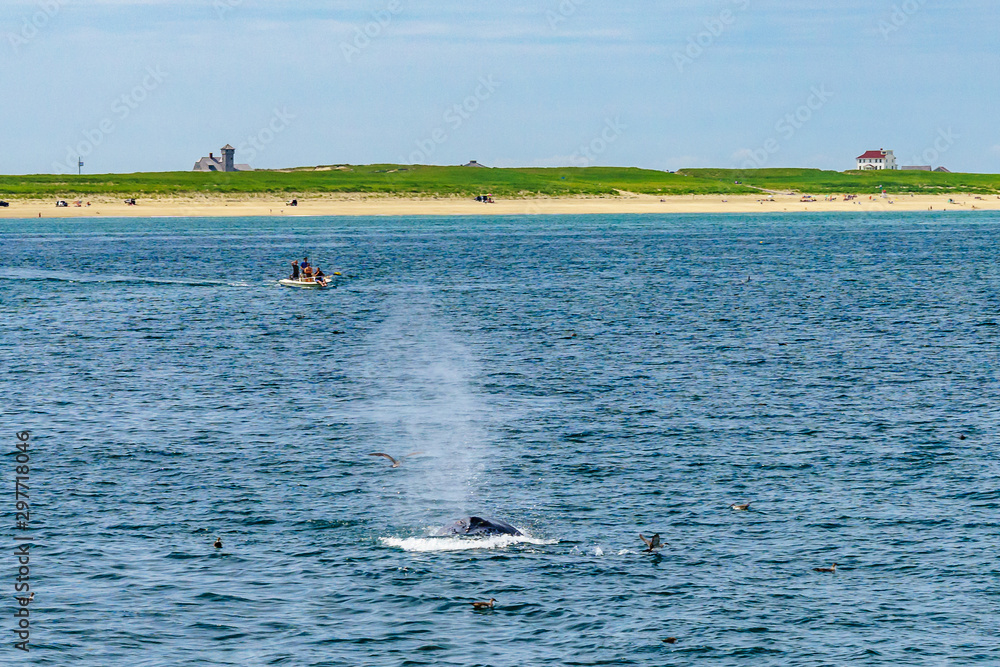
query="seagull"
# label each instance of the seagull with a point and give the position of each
(652, 543)
(832, 568)
(395, 463)
(484, 605)
(218, 543)
(740, 508)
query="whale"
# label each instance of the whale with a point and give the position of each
(477, 525)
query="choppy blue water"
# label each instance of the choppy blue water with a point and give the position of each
(585, 379)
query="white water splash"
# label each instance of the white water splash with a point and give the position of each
(592, 551)
(442, 544)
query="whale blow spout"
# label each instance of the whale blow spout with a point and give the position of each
(476, 525)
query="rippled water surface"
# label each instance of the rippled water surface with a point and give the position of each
(585, 379)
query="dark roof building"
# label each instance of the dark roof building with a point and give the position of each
(224, 163)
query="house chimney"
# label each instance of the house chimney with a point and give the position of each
(211, 157)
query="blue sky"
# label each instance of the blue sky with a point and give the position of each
(153, 85)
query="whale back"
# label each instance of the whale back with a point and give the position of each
(477, 525)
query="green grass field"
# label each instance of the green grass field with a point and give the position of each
(417, 180)
(815, 181)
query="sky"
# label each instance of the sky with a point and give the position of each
(154, 85)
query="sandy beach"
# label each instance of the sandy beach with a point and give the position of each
(361, 205)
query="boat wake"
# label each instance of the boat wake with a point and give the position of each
(70, 277)
(444, 544)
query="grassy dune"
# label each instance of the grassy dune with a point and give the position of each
(370, 179)
(418, 180)
(815, 181)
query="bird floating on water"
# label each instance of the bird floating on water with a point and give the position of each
(484, 605)
(218, 543)
(740, 508)
(832, 568)
(670, 640)
(651, 543)
(395, 462)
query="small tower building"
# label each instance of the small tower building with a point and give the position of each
(227, 162)
(228, 158)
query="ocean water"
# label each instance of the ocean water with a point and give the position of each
(585, 378)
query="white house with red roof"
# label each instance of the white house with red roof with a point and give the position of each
(874, 160)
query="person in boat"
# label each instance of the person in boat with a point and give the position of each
(305, 264)
(320, 277)
(295, 269)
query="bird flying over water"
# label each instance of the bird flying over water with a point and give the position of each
(395, 463)
(651, 543)
(740, 508)
(832, 568)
